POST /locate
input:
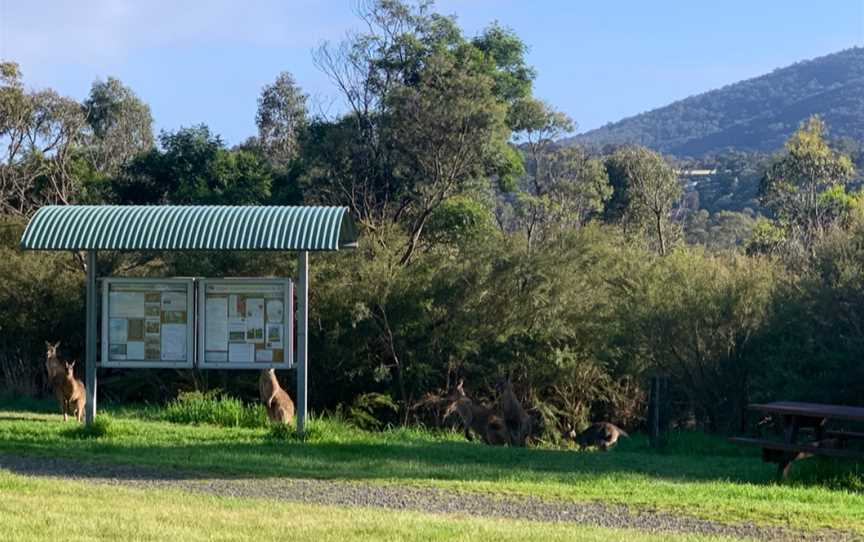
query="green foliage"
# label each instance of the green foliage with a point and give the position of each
(695, 316)
(215, 408)
(42, 299)
(804, 187)
(645, 188)
(812, 347)
(513, 76)
(724, 230)
(459, 221)
(367, 409)
(280, 119)
(194, 167)
(121, 126)
(767, 238)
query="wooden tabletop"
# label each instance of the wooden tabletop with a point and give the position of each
(814, 410)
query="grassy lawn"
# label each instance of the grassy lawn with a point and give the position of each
(697, 475)
(77, 511)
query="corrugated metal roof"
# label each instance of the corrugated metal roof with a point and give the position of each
(172, 227)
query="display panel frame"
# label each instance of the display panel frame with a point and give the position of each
(188, 285)
(246, 283)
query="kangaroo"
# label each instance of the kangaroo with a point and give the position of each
(74, 395)
(517, 420)
(604, 435)
(278, 403)
(483, 421)
(56, 370)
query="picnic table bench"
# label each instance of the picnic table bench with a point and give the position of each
(815, 416)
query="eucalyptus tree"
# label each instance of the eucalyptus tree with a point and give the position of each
(806, 185)
(645, 190)
(427, 116)
(39, 132)
(281, 117)
(121, 126)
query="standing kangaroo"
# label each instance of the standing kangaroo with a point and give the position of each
(477, 418)
(74, 395)
(56, 370)
(278, 403)
(517, 420)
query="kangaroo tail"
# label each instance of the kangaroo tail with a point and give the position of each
(623, 433)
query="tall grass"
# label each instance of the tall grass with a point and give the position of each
(213, 408)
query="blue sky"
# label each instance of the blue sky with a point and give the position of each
(205, 61)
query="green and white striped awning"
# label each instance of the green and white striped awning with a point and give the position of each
(172, 227)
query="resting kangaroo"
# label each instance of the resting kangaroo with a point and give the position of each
(56, 372)
(477, 418)
(517, 420)
(279, 406)
(604, 435)
(74, 395)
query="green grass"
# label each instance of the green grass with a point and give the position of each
(60, 510)
(212, 408)
(697, 475)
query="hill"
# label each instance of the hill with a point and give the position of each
(753, 115)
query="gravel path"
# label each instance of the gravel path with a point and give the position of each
(398, 497)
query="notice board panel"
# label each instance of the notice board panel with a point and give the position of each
(147, 323)
(245, 323)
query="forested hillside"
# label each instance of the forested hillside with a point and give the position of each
(753, 115)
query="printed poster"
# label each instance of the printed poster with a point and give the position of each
(174, 301)
(126, 304)
(241, 352)
(135, 350)
(275, 311)
(173, 346)
(216, 316)
(274, 336)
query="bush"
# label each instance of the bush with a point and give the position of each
(101, 427)
(42, 299)
(213, 408)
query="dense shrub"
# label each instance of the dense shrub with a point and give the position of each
(694, 316)
(41, 295)
(214, 408)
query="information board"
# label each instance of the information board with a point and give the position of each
(245, 323)
(147, 322)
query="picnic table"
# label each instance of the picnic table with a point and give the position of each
(796, 416)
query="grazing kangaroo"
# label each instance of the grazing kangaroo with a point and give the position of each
(483, 421)
(74, 395)
(603, 435)
(56, 370)
(517, 420)
(278, 403)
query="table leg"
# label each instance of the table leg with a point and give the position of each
(791, 424)
(819, 429)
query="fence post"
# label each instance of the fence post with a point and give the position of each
(658, 411)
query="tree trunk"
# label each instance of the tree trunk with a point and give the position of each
(660, 234)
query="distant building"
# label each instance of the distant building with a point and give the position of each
(695, 172)
(691, 177)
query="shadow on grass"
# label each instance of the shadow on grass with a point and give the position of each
(128, 449)
(447, 461)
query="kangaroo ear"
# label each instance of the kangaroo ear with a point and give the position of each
(57, 345)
